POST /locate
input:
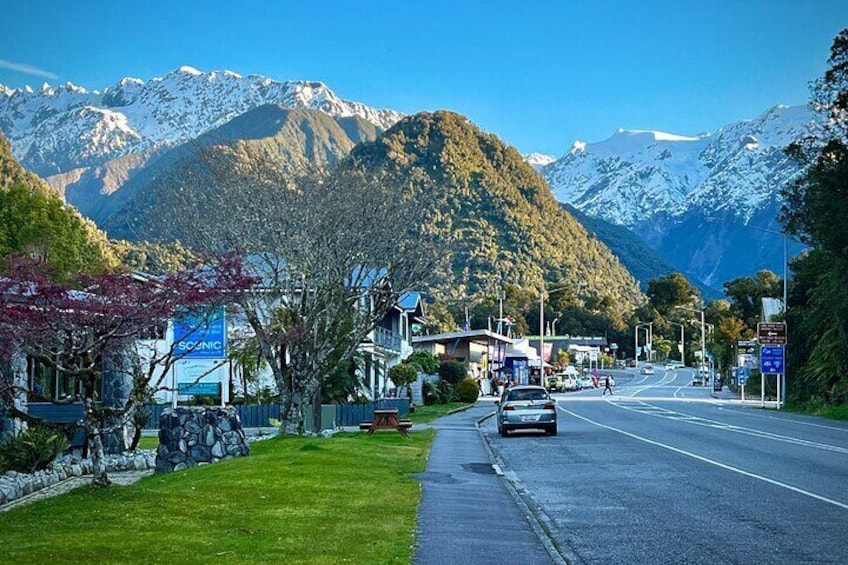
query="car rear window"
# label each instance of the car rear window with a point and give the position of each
(527, 395)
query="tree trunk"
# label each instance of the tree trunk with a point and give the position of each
(292, 415)
(316, 411)
(95, 443)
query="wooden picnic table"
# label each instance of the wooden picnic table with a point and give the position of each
(387, 419)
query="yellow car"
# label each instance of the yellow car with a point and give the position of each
(553, 383)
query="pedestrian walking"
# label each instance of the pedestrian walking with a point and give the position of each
(607, 386)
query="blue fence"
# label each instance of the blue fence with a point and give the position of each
(251, 415)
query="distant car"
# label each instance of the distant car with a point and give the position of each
(570, 382)
(698, 379)
(647, 370)
(670, 366)
(603, 378)
(586, 382)
(554, 383)
(527, 407)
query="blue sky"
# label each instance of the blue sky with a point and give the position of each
(537, 74)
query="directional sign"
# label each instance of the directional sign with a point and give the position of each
(771, 360)
(742, 376)
(771, 333)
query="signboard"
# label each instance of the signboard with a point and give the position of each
(746, 354)
(593, 356)
(771, 333)
(201, 377)
(196, 338)
(771, 360)
(199, 389)
(742, 376)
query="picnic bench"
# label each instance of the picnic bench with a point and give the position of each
(387, 419)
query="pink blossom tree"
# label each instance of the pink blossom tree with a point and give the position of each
(88, 330)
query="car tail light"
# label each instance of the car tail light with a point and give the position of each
(549, 406)
(508, 408)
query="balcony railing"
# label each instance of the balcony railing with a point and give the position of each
(387, 339)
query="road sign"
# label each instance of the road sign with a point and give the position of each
(771, 360)
(771, 333)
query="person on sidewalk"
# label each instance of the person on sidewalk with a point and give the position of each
(607, 386)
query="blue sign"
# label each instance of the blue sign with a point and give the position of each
(771, 360)
(199, 338)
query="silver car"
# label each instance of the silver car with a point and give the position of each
(527, 407)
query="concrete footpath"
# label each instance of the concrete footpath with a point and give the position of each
(468, 513)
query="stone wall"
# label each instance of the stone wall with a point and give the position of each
(15, 485)
(190, 436)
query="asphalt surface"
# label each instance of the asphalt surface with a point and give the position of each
(468, 514)
(663, 472)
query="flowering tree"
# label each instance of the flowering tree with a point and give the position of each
(88, 330)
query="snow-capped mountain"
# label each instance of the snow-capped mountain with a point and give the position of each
(636, 175)
(666, 186)
(538, 160)
(57, 129)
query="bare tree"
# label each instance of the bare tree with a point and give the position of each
(335, 251)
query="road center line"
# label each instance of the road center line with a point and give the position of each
(710, 461)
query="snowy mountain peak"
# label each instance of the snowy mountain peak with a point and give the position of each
(538, 160)
(187, 70)
(50, 134)
(636, 175)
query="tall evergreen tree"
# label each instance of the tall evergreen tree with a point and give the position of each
(816, 210)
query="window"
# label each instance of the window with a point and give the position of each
(47, 384)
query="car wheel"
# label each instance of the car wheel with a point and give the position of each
(551, 430)
(504, 431)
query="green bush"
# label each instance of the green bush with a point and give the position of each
(32, 450)
(426, 362)
(431, 394)
(447, 392)
(452, 372)
(467, 390)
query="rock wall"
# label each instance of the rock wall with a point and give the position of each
(190, 436)
(15, 485)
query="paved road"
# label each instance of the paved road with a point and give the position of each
(664, 473)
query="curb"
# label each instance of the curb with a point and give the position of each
(539, 522)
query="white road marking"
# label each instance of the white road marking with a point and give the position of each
(660, 412)
(712, 461)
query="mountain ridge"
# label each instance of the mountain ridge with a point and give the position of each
(57, 129)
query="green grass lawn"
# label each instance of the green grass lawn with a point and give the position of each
(151, 442)
(424, 414)
(823, 410)
(347, 499)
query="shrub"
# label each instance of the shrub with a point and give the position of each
(452, 372)
(447, 392)
(403, 374)
(426, 362)
(467, 390)
(32, 450)
(431, 394)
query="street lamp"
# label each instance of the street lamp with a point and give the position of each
(649, 340)
(703, 334)
(682, 343)
(542, 323)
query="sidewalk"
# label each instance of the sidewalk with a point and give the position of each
(467, 513)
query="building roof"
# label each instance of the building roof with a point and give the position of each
(477, 336)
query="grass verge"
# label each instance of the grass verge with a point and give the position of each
(347, 499)
(425, 414)
(823, 410)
